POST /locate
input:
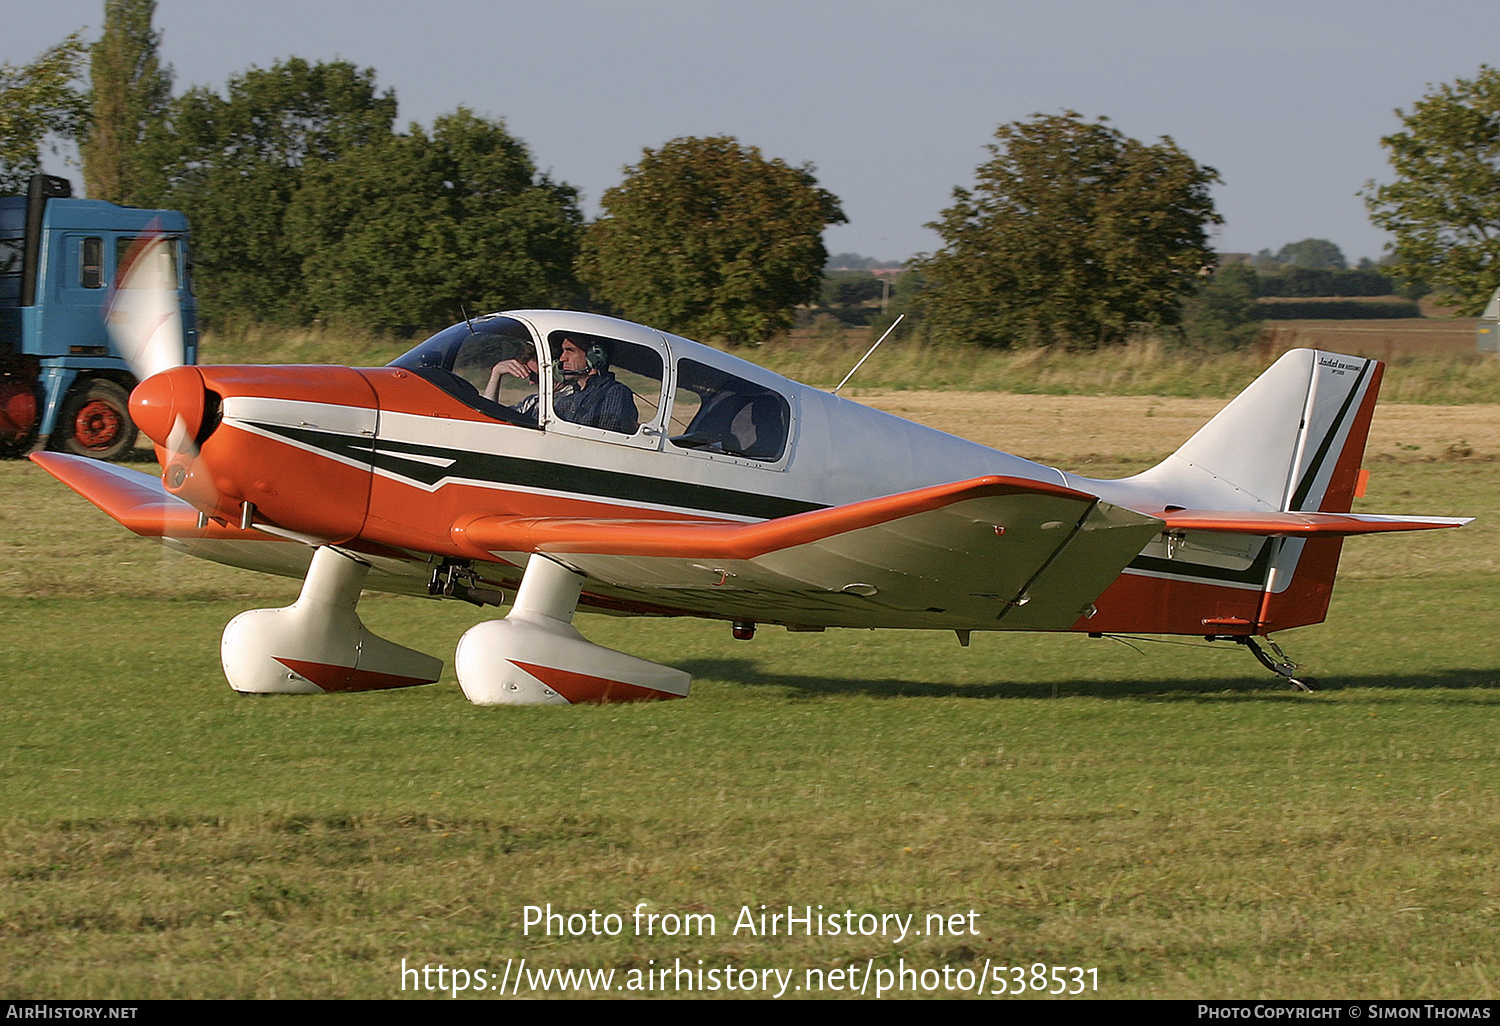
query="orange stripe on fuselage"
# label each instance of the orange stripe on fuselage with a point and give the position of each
(1142, 604)
(401, 391)
(290, 487)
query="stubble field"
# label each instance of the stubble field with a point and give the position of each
(1166, 816)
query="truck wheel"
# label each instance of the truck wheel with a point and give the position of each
(95, 421)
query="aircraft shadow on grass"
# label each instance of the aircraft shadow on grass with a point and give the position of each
(747, 673)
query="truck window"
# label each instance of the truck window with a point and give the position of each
(124, 243)
(91, 273)
(10, 271)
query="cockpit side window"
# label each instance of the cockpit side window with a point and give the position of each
(605, 383)
(489, 363)
(719, 412)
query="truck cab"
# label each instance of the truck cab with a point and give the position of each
(63, 384)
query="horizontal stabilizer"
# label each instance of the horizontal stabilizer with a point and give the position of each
(1297, 524)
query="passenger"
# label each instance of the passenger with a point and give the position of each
(591, 395)
(524, 367)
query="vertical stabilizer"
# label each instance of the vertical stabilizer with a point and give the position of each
(1292, 441)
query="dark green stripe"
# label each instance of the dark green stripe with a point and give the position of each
(1300, 495)
(587, 482)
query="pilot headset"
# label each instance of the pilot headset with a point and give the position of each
(596, 354)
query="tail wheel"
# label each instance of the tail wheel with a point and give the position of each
(95, 421)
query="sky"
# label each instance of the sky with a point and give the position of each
(892, 102)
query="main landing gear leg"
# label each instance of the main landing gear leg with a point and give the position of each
(318, 643)
(1280, 665)
(535, 656)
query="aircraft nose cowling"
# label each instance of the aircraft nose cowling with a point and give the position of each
(169, 407)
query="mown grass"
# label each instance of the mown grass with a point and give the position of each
(1165, 813)
(1175, 820)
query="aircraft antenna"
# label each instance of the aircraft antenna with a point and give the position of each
(862, 359)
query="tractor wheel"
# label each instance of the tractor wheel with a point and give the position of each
(95, 421)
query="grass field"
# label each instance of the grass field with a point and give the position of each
(1166, 815)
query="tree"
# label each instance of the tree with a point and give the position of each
(410, 232)
(708, 238)
(36, 101)
(1444, 206)
(233, 164)
(1223, 313)
(129, 89)
(1073, 235)
(1314, 254)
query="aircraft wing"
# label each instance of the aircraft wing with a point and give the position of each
(991, 552)
(139, 502)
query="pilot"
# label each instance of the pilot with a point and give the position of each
(591, 395)
(523, 367)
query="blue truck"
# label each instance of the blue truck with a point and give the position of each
(63, 384)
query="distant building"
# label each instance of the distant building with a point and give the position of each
(1489, 326)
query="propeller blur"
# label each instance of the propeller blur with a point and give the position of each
(144, 316)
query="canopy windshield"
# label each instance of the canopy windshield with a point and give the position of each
(463, 361)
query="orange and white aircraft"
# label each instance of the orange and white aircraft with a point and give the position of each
(700, 485)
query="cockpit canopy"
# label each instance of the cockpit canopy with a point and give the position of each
(697, 404)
